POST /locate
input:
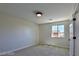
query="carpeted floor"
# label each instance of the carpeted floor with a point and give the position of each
(42, 50)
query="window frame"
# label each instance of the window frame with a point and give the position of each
(57, 31)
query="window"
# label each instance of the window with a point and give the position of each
(57, 31)
(71, 30)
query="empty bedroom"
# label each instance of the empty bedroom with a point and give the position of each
(36, 29)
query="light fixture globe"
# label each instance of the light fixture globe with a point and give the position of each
(39, 14)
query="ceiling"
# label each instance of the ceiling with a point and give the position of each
(54, 11)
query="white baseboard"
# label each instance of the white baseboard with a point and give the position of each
(55, 46)
(12, 51)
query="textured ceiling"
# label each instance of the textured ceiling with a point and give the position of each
(55, 11)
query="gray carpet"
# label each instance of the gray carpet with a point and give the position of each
(41, 50)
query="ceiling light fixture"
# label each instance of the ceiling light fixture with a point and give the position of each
(39, 14)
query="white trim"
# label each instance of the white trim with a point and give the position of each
(12, 51)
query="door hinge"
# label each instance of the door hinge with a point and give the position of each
(74, 37)
(74, 19)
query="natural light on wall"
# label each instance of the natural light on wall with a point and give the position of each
(57, 31)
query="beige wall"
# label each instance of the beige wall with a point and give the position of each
(45, 35)
(17, 33)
